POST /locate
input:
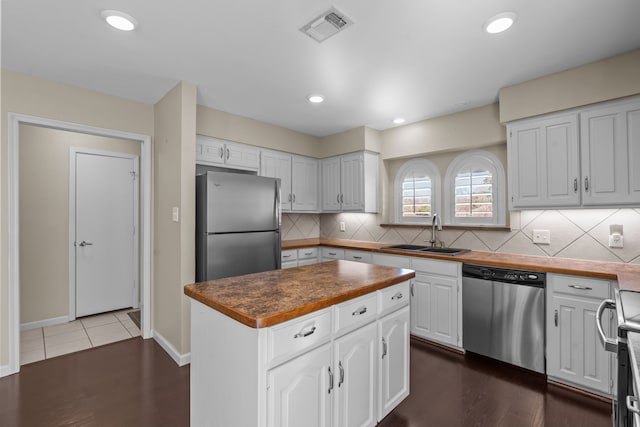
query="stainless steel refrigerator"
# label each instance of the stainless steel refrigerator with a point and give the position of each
(237, 225)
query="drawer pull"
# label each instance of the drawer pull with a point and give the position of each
(286, 256)
(333, 253)
(580, 287)
(397, 296)
(360, 311)
(357, 257)
(384, 347)
(303, 334)
(308, 253)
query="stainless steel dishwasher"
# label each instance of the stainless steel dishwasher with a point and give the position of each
(503, 314)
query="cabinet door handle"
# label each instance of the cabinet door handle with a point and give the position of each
(397, 296)
(286, 256)
(341, 374)
(360, 311)
(411, 289)
(83, 244)
(308, 253)
(580, 287)
(289, 196)
(586, 183)
(330, 380)
(384, 347)
(294, 197)
(357, 257)
(333, 253)
(575, 185)
(338, 198)
(342, 198)
(304, 333)
(221, 151)
(555, 318)
(228, 153)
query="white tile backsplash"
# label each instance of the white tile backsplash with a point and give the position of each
(576, 233)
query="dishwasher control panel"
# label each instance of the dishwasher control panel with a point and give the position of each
(507, 275)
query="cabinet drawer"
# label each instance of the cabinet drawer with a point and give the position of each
(358, 256)
(295, 336)
(356, 312)
(289, 255)
(393, 297)
(433, 266)
(306, 253)
(307, 261)
(582, 286)
(332, 253)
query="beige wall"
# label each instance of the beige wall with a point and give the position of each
(343, 142)
(174, 186)
(218, 124)
(44, 216)
(610, 78)
(475, 128)
(31, 96)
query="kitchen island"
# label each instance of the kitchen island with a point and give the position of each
(320, 345)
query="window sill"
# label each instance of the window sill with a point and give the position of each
(452, 227)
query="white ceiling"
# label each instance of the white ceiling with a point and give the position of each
(411, 58)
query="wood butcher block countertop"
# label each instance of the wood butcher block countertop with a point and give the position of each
(265, 299)
(627, 275)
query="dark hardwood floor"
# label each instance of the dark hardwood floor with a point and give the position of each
(135, 383)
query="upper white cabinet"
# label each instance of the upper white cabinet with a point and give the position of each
(350, 182)
(578, 158)
(543, 162)
(217, 152)
(610, 144)
(298, 179)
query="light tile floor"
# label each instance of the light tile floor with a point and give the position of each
(81, 334)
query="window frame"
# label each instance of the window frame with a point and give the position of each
(420, 165)
(487, 161)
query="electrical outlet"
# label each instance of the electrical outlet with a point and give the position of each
(342, 226)
(175, 214)
(542, 237)
(616, 240)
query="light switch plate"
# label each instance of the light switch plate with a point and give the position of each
(342, 226)
(175, 214)
(541, 237)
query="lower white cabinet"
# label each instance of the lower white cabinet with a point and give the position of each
(299, 257)
(329, 254)
(355, 371)
(575, 355)
(393, 371)
(436, 301)
(299, 391)
(358, 256)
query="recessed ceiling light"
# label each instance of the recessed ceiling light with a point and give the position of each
(398, 121)
(316, 99)
(499, 23)
(119, 20)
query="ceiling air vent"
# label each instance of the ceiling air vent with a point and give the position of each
(327, 24)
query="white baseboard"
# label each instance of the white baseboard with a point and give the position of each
(43, 323)
(180, 359)
(5, 370)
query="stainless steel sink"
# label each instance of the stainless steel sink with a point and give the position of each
(427, 249)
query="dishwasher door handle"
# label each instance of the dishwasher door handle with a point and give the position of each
(608, 343)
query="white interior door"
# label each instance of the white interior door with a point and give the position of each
(105, 219)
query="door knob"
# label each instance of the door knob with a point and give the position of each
(83, 243)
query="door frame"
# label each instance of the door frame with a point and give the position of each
(73, 194)
(13, 235)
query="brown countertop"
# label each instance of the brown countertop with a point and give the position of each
(265, 299)
(627, 275)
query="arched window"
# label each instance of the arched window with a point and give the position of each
(417, 190)
(475, 190)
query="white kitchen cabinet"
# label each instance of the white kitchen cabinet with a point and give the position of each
(274, 164)
(575, 355)
(581, 157)
(217, 152)
(436, 301)
(355, 367)
(393, 370)
(399, 261)
(289, 258)
(304, 184)
(308, 256)
(299, 391)
(544, 162)
(358, 256)
(298, 179)
(330, 254)
(350, 183)
(610, 146)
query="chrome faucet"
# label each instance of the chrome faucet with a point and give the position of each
(435, 222)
